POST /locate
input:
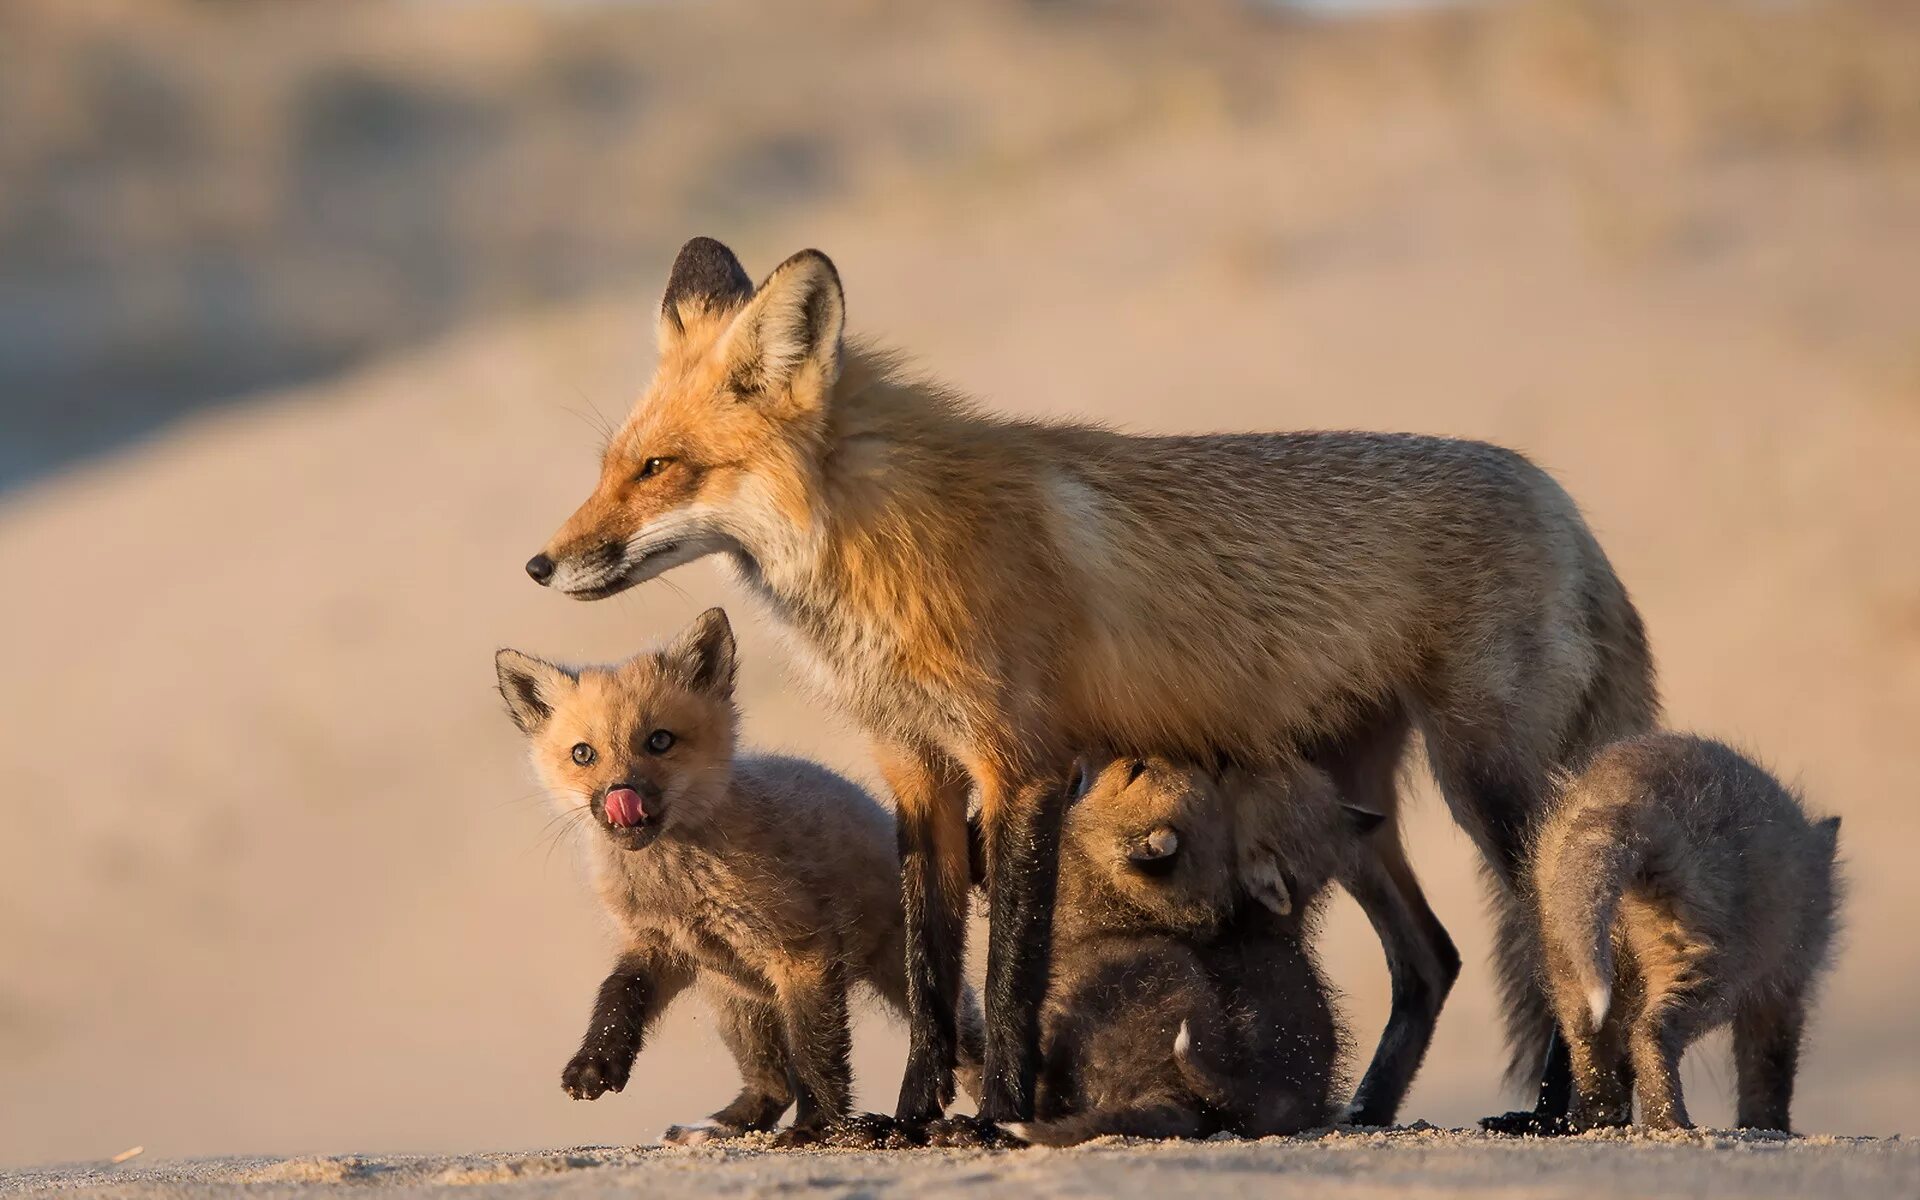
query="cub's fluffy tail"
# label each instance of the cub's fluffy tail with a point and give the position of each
(1585, 860)
(1148, 1117)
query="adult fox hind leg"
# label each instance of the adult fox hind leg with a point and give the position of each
(1422, 962)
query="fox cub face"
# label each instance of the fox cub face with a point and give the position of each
(1180, 846)
(718, 455)
(640, 746)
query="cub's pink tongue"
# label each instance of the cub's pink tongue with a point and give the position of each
(624, 808)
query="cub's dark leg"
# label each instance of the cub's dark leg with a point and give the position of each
(1766, 1055)
(1658, 1038)
(642, 984)
(1422, 962)
(813, 1014)
(753, 1032)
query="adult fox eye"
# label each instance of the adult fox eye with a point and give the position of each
(659, 741)
(583, 754)
(650, 468)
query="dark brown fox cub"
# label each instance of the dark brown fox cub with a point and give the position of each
(1680, 887)
(1185, 1000)
(772, 882)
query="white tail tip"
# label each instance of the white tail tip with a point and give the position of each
(1182, 1041)
(1599, 999)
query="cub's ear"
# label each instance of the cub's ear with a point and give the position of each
(703, 653)
(1080, 779)
(1266, 883)
(783, 350)
(531, 687)
(707, 281)
(1362, 821)
(1830, 830)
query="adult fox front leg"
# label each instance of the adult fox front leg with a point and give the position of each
(979, 592)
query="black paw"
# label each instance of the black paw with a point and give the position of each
(1527, 1123)
(799, 1137)
(590, 1076)
(871, 1131)
(1368, 1115)
(968, 1133)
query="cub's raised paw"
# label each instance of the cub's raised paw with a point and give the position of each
(701, 1132)
(590, 1076)
(1527, 1123)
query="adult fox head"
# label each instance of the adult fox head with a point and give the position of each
(720, 453)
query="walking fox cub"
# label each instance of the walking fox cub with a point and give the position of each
(1680, 887)
(772, 882)
(1185, 999)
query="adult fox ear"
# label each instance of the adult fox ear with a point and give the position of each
(531, 687)
(783, 350)
(707, 283)
(703, 653)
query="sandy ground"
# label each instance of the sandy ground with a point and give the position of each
(1406, 1163)
(273, 876)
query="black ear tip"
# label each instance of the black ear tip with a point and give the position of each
(812, 258)
(707, 272)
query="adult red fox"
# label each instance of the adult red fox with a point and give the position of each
(990, 598)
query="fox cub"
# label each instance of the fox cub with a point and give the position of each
(1680, 887)
(1185, 999)
(772, 882)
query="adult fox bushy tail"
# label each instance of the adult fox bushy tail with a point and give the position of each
(991, 598)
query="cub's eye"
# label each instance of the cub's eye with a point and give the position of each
(651, 467)
(583, 754)
(1135, 770)
(659, 742)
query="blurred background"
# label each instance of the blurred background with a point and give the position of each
(312, 315)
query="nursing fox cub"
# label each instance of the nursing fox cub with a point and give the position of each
(771, 882)
(1186, 999)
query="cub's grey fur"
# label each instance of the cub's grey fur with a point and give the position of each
(1185, 999)
(1681, 887)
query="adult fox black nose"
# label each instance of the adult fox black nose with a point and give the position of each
(541, 568)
